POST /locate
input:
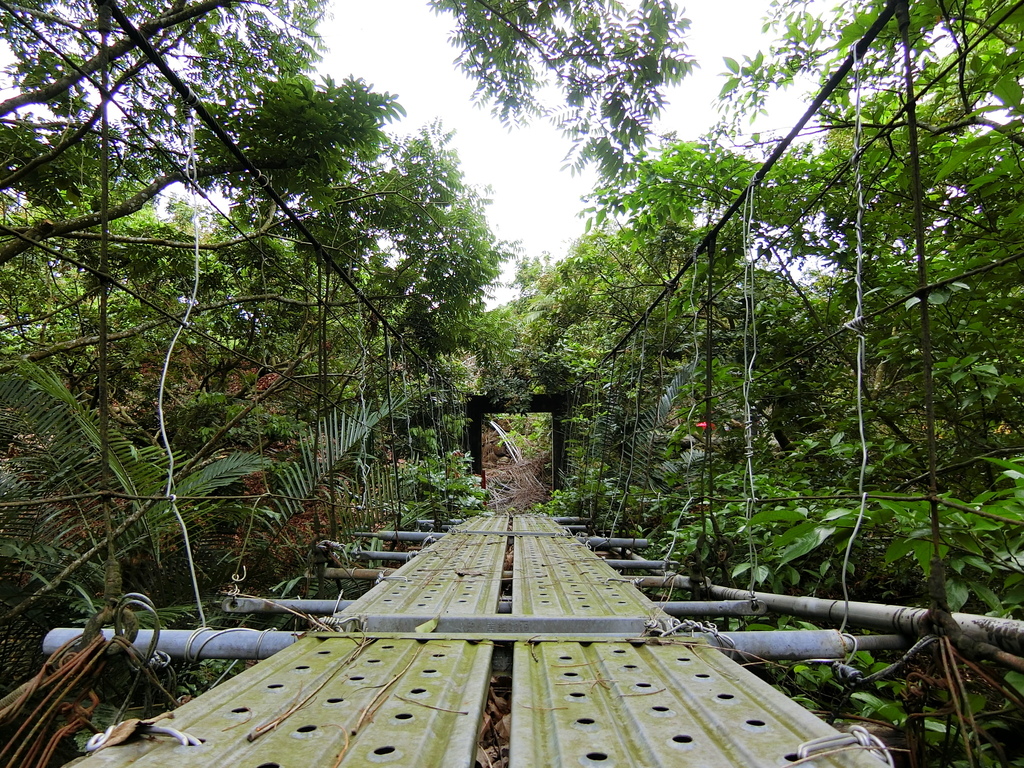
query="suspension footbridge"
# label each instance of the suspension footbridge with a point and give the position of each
(601, 675)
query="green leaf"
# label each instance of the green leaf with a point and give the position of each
(732, 64)
(956, 593)
(1016, 679)
(427, 626)
(777, 515)
(986, 595)
(806, 543)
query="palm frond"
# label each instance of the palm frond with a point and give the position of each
(338, 437)
(639, 446)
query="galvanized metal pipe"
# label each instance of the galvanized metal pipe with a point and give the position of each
(713, 608)
(603, 542)
(328, 607)
(796, 644)
(200, 644)
(636, 565)
(358, 574)
(259, 605)
(374, 555)
(254, 644)
(1007, 634)
(399, 535)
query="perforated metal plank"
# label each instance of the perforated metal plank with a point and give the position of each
(618, 704)
(559, 576)
(333, 702)
(459, 574)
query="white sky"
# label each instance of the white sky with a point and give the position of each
(400, 46)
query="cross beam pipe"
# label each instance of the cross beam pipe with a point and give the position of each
(259, 605)
(559, 520)
(594, 542)
(329, 607)
(239, 643)
(604, 542)
(358, 574)
(399, 535)
(372, 555)
(714, 608)
(644, 565)
(1007, 634)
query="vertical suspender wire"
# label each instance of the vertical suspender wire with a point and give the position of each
(681, 512)
(708, 474)
(634, 440)
(749, 360)
(364, 473)
(190, 172)
(592, 455)
(858, 326)
(442, 436)
(389, 365)
(603, 462)
(112, 584)
(407, 391)
(320, 413)
(320, 441)
(937, 580)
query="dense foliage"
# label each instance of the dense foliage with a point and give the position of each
(726, 423)
(662, 423)
(177, 355)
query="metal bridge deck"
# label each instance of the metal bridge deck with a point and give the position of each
(587, 688)
(559, 576)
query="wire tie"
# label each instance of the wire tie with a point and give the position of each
(172, 498)
(858, 324)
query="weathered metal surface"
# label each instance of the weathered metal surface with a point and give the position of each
(398, 535)
(261, 605)
(240, 643)
(611, 705)
(458, 574)
(199, 644)
(603, 542)
(1006, 634)
(713, 608)
(406, 684)
(329, 702)
(370, 554)
(504, 624)
(560, 577)
(638, 565)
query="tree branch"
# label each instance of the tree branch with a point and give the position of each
(45, 229)
(116, 51)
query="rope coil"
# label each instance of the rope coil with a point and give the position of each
(858, 738)
(112, 735)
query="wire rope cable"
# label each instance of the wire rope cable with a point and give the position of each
(857, 325)
(169, 486)
(749, 361)
(691, 450)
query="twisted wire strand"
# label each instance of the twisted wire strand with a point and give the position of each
(858, 326)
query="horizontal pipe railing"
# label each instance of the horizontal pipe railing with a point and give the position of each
(256, 644)
(1006, 634)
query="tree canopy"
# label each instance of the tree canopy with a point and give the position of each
(823, 397)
